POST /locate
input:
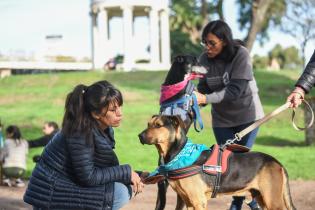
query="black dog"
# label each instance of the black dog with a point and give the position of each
(180, 102)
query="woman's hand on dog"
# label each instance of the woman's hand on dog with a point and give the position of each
(136, 183)
(201, 98)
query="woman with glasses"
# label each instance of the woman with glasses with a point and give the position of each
(79, 168)
(230, 87)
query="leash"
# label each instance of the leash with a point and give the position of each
(240, 135)
(310, 122)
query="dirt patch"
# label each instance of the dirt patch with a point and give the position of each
(303, 193)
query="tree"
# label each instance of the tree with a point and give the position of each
(191, 16)
(299, 22)
(260, 62)
(288, 58)
(256, 16)
(187, 18)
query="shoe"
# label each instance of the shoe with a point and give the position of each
(253, 205)
(237, 203)
(19, 183)
(7, 182)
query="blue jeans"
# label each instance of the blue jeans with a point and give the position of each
(223, 134)
(122, 195)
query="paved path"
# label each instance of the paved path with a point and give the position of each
(303, 193)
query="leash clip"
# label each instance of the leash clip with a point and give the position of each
(231, 141)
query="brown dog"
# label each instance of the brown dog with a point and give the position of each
(251, 174)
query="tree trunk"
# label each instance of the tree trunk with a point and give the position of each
(259, 9)
(310, 132)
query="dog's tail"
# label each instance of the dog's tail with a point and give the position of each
(286, 191)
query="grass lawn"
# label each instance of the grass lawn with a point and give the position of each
(29, 100)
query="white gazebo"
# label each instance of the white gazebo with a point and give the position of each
(114, 27)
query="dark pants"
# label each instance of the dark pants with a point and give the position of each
(222, 135)
(13, 172)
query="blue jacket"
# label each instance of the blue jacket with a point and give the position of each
(74, 175)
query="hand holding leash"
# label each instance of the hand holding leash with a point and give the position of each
(136, 182)
(296, 97)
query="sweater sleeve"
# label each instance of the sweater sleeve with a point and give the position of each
(40, 142)
(231, 92)
(307, 79)
(87, 173)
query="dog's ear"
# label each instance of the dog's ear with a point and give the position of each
(153, 116)
(178, 124)
(177, 121)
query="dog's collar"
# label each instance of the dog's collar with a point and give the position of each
(186, 157)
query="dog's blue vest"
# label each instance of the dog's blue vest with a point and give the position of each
(186, 157)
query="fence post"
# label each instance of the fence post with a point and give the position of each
(309, 133)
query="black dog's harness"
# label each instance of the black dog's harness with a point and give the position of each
(184, 105)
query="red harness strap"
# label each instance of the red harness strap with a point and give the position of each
(212, 166)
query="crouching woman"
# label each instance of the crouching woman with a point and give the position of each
(79, 168)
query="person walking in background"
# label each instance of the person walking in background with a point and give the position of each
(79, 168)
(230, 87)
(304, 84)
(49, 130)
(15, 154)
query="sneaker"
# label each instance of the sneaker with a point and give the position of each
(19, 183)
(253, 205)
(237, 203)
(7, 182)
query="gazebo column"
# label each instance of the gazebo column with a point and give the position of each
(103, 36)
(127, 27)
(154, 37)
(165, 39)
(95, 41)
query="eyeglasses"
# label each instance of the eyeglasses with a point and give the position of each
(209, 43)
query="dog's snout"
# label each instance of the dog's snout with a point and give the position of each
(142, 137)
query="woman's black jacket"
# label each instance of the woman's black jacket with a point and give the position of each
(74, 175)
(307, 79)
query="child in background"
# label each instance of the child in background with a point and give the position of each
(15, 150)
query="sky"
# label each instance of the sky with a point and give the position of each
(25, 24)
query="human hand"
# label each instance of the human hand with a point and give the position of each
(296, 97)
(136, 182)
(201, 98)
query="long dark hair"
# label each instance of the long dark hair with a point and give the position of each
(84, 100)
(222, 30)
(14, 132)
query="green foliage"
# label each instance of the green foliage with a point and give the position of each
(181, 44)
(275, 12)
(29, 100)
(288, 58)
(260, 62)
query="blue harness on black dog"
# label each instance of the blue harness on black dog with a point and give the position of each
(183, 106)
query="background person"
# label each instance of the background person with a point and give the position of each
(49, 130)
(304, 84)
(230, 87)
(15, 154)
(79, 168)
